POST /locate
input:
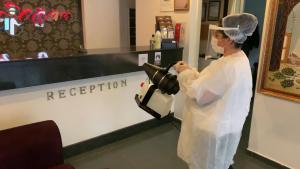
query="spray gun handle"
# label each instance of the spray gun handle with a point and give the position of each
(169, 67)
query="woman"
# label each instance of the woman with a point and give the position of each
(217, 98)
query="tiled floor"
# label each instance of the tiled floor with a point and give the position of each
(151, 149)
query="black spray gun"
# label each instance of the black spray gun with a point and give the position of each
(156, 94)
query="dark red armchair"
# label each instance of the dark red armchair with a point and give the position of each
(32, 146)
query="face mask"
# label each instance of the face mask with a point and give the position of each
(216, 48)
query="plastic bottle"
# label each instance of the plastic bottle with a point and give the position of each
(164, 33)
(157, 40)
(170, 33)
(178, 30)
(152, 42)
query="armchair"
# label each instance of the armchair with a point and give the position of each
(32, 146)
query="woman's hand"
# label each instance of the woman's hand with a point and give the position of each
(180, 66)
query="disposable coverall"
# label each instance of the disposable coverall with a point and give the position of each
(211, 130)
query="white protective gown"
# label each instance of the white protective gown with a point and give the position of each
(210, 133)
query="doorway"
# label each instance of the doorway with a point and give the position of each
(212, 13)
(127, 23)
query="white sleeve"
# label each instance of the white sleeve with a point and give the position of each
(206, 86)
(186, 78)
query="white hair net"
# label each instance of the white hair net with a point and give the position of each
(246, 24)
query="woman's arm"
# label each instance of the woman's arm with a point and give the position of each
(204, 87)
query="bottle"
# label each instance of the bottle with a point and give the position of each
(177, 32)
(164, 33)
(157, 40)
(152, 42)
(171, 33)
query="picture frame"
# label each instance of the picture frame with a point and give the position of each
(204, 11)
(181, 5)
(280, 69)
(214, 10)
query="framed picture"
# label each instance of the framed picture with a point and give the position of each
(204, 11)
(280, 75)
(214, 8)
(181, 5)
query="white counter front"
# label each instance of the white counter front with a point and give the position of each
(82, 109)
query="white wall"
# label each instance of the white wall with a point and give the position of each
(146, 10)
(275, 130)
(101, 20)
(79, 117)
(275, 125)
(124, 6)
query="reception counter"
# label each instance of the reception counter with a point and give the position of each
(61, 66)
(88, 95)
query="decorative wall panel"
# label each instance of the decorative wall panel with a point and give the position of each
(28, 27)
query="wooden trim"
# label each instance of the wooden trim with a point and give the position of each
(182, 9)
(267, 50)
(267, 41)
